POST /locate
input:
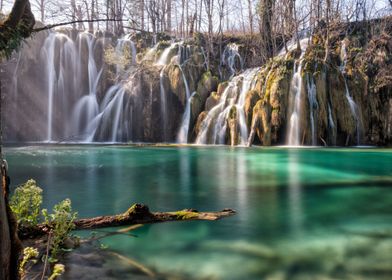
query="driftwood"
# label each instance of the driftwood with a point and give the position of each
(135, 215)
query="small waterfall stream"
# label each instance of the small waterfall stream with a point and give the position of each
(163, 60)
(214, 126)
(313, 106)
(294, 121)
(293, 135)
(182, 136)
(232, 60)
(350, 100)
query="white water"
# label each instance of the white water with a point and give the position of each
(124, 45)
(293, 138)
(214, 126)
(294, 121)
(313, 106)
(182, 136)
(163, 103)
(87, 108)
(164, 58)
(231, 59)
(351, 102)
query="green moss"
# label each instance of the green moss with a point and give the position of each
(185, 215)
(233, 112)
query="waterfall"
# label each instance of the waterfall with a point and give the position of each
(48, 51)
(293, 138)
(163, 103)
(214, 126)
(350, 100)
(182, 136)
(230, 58)
(87, 108)
(110, 116)
(164, 58)
(294, 122)
(313, 105)
(123, 47)
(331, 125)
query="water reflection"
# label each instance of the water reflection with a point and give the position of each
(295, 194)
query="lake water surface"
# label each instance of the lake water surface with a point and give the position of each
(301, 213)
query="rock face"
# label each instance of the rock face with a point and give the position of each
(334, 103)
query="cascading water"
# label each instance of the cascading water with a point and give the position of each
(294, 122)
(214, 126)
(87, 108)
(232, 60)
(164, 58)
(293, 138)
(71, 79)
(182, 136)
(350, 100)
(163, 61)
(60, 54)
(313, 106)
(123, 47)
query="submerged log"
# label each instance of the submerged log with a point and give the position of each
(136, 214)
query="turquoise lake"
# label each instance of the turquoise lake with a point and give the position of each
(301, 213)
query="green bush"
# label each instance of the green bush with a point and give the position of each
(26, 203)
(62, 223)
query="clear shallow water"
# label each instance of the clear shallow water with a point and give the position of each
(301, 212)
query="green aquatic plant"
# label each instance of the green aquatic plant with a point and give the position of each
(26, 203)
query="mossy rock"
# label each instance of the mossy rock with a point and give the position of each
(261, 122)
(222, 87)
(212, 101)
(250, 101)
(207, 84)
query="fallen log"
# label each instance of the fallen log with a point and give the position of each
(136, 214)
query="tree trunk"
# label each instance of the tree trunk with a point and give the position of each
(10, 246)
(137, 214)
(250, 16)
(20, 20)
(168, 16)
(266, 13)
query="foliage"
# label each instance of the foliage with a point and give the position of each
(62, 223)
(26, 203)
(11, 40)
(58, 270)
(29, 254)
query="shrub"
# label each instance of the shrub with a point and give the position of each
(62, 223)
(29, 255)
(26, 203)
